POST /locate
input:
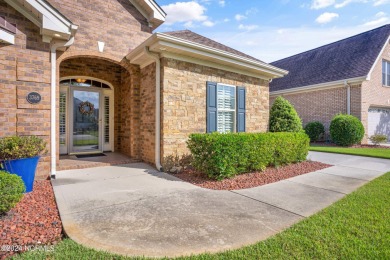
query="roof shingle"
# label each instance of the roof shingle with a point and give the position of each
(197, 38)
(349, 58)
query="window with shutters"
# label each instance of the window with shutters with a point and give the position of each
(225, 108)
(386, 73)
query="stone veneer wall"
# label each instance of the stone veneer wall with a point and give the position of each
(184, 102)
(374, 94)
(25, 67)
(323, 105)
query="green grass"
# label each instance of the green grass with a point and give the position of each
(369, 152)
(356, 227)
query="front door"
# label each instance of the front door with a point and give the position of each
(85, 122)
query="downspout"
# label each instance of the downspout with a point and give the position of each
(157, 149)
(53, 109)
(348, 97)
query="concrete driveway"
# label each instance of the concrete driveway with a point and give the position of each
(135, 210)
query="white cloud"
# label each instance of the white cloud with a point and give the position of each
(326, 17)
(222, 3)
(239, 17)
(208, 23)
(343, 4)
(226, 20)
(381, 2)
(319, 4)
(252, 11)
(184, 12)
(248, 27)
(381, 18)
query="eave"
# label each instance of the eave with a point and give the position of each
(151, 11)
(173, 47)
(52, 23)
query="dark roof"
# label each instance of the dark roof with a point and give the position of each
(196, 38)
(349, 58)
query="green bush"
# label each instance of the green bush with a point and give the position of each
(315, 130)
(378, 139)
(346, 130)
(11, 191)
(284, 117)
(223, 156)
(17, 147)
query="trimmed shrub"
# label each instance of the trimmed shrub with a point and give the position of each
(18, 147)
(378, 139)
(346, 130)
(315, 130)
(11, 191)
(284, 117)
(223, 156)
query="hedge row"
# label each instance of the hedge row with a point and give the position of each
(223, 156)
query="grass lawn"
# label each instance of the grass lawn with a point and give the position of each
(369, 152)
(356, 227)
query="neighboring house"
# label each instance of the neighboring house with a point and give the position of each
(107, 83)
(351, 76)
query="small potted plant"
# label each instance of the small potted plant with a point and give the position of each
(20, 155)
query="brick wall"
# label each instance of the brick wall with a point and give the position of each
(374, 93)
(323, 105)
(147, 113)
(184, 102)
(117, 23)
(25, 67)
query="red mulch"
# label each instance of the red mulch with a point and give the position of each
(34, 221)
(250, 180)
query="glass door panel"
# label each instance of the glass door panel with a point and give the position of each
(86, 118)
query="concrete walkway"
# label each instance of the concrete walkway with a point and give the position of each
(134, 210)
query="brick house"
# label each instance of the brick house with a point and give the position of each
(351, 76)
(91, 76)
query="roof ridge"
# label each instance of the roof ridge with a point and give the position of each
(341, 40)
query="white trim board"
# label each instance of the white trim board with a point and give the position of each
(378, 59)
(322, 86)
(7, 37)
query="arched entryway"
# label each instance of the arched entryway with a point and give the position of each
(98, 106)
(86, 106)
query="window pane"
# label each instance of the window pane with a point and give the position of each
(226, 97)
(384, 72)
(388, 73)
(225, 122)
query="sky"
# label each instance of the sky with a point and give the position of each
(274, 29)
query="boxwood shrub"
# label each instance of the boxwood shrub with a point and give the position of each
(315, 130)
(223, 156)
(346, 130)
(11, 191)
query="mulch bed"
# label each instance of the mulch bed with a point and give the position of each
(34, 222)
(250, 180)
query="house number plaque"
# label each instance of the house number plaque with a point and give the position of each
(34, 97)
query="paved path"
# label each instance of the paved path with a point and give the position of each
(134, 210)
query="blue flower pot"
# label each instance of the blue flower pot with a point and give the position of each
(25, 168)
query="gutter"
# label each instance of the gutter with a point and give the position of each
(157, 149)
(326, 85)
(53, 95)
(348, 97)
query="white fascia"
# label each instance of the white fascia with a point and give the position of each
(200, 50)
(151, 11)
(7, 37)
(378, 59)
(52, 23)
(321, 86)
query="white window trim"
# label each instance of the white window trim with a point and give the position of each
(387, 82)
(7, 37)
(229, 110)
